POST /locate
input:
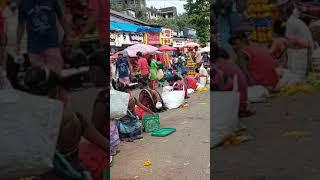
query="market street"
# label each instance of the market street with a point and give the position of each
(273, 154)
(183, 155)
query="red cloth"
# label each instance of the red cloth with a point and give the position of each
(140, 112)
(231, 69)
(93, 159)
(192, 82)
(261, 66)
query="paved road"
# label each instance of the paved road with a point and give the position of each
(184, 155)
(271, 155)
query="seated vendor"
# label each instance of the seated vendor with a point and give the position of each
(256, 62)
(129, 126)
(74, 126)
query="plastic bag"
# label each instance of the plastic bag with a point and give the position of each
(118, 104)
(224, 118)
(160, 74)
(29, 132)
(173, 98)
(257, 93)
(190, 91)
(151, 122)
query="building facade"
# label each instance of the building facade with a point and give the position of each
(168, 12)
(130, 4)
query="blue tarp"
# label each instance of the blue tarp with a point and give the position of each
(118, 26)
(149, 29)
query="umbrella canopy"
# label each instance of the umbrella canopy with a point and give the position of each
(131, 51)
(167, 48)
(144, 48)
(206, 49)
(157, 52)
(192, 45)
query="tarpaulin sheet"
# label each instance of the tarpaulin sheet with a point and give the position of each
(117, 26)
(128, 27)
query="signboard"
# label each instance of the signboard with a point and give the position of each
(167, 33)
(119, 39)
(153, 38)
(166, 41)
(178, 43)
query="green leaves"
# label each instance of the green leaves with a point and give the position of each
(116, 6)
(176, 24)
(198, 12)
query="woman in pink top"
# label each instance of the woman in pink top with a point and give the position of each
(256, 62)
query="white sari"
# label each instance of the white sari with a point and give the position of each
(298, 58)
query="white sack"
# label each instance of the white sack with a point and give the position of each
(257, 94)
(29, 131)
(118, 104)
(224, 118)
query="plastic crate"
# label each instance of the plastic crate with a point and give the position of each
(151, 122)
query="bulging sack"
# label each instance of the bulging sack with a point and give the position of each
(118, 104)
(224, 119)
(173, 98)
(29, 132)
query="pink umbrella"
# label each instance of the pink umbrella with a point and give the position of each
(191, 45)
(167, 48)
(132, 50)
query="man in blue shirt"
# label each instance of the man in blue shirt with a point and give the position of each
(123, 68)
(39, 17)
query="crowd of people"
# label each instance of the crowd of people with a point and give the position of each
(52, 26)
(255, 64)
(150, 76)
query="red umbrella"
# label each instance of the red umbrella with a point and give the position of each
(167, 48)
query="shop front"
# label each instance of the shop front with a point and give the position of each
(119, 39)
(152, 38)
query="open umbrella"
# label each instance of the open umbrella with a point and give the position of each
(144, 48)
(157, 52)
(167, 48)
(191, 45)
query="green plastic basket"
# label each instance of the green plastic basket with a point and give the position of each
(151, 122)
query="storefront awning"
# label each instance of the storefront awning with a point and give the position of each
(118, 26)
(148, 29)
(128, 27)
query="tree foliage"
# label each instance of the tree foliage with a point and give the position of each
(116, 6)
(177, 24)
(198, 12)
